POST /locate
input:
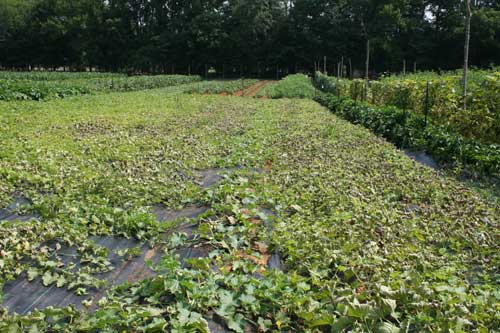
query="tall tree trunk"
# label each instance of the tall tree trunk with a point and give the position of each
(466, 51)
(367, 68)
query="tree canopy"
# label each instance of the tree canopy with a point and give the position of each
(253, 36)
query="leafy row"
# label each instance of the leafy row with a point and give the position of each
(411, 131)
(22, 89)
(56, 76)
(293, 86)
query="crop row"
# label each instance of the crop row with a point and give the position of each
(411, 131)
(22, 89)
(56, 76)
(437, 96)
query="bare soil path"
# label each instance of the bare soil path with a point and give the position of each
(253, 90)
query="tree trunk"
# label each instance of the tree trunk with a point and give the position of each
(367, 68)
(466, 51)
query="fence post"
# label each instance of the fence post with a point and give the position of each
(342, 67)
(426, 103)
(366, 90)
(206, 72)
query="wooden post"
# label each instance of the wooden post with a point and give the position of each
(277, 72)
(414, 67)
(324, 65)
(342, 67)
(173, 69)
(367, 65)
(404, 67)
(189, 70)
(426, 103)
(350, 69)
(466, 52)
(206, 72)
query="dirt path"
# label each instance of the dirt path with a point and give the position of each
(253, 90)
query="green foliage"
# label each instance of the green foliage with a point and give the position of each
(371, 241)
(56, 76)
(37, 86)
(293, 86)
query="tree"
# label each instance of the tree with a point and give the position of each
(378, 19)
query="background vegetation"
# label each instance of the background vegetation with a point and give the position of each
(250, 37)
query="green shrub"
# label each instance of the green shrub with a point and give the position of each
(293, 86)
(218, 87)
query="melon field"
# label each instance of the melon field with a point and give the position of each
(185, 209)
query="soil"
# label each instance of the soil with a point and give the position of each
(253, 90)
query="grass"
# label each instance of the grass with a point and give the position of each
(371, 240)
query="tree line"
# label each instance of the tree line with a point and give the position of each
(246, 37)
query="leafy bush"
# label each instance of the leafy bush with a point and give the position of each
(408, 130)
(293, 86)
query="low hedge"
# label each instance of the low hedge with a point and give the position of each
(408, 130)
